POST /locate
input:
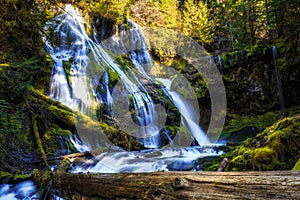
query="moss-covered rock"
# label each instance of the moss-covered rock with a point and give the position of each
(297, 165)
(240, 127)
(276, 148)
(56, 141)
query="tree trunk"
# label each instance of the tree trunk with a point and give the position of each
(176, 185)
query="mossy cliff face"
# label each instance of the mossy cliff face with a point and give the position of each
(43, 130)
(276, 148)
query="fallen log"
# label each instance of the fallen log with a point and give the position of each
(73, 155)
(175, 185)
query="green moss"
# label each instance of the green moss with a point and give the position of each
(64, 115)
(43, 178)
(265, 159)
(275, 148)
(109, 9)
(239, 163)
(63, 165)
(39, 141)
(13, 178)
(116, 136)
(52, 140)
(237, 123)
(5, 175)
(21, 177)
(297, 165)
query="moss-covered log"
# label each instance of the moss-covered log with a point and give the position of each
(61, 114)
(38, 140)
(175, 185)
(70, 120)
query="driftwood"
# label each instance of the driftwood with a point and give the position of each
(73, 155)
(176, 185)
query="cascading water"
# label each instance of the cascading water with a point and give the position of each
(279, 83)
(187, 113)
(220, 62)
(76, 87)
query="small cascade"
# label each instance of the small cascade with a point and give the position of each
(79, 145)
(187, 113)
(70, 46)
(220, 62)
(140, 57)
(147, 160)
(108, 100)
(59, 86)
(279, 83)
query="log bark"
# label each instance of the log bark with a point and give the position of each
(176, 185)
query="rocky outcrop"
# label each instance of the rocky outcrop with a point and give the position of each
(276, 148)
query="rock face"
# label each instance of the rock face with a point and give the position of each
(276, 148)
(104, 27)
(251, 84)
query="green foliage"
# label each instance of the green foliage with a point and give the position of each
(163, 13)
(195, 21)
(56, 139)
(4, 107)
(20, 23)
(297, 165)
(114, 9)
(237, 123)
(13, 178)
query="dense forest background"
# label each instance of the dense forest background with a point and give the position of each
(241, 32)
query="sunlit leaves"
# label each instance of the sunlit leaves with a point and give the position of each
(195, 21)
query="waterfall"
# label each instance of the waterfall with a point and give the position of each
(220, 63)
(279, 83)
(75, 84)
(187, 113)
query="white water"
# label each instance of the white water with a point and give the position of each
(187, 118)
(89, 61)
(168, 159)
(23, 190)
(220, 63)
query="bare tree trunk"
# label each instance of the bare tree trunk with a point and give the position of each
(176, 185)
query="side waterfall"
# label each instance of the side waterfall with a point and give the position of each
(279, 83)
